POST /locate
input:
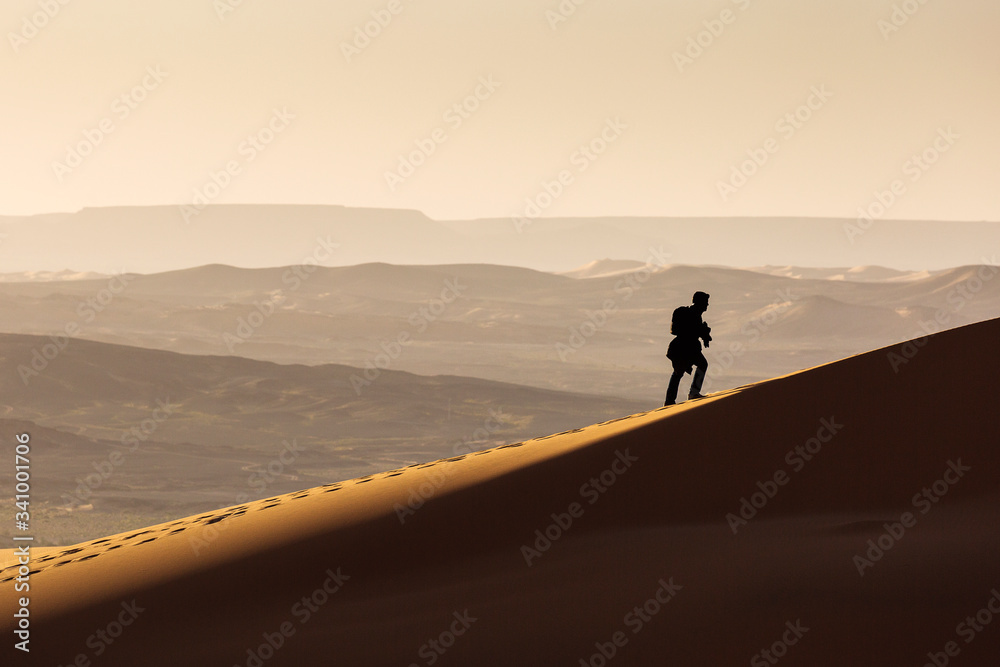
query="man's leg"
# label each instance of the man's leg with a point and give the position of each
(701, 366)
(675, 382)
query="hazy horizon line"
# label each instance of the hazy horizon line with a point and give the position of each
(485, 218)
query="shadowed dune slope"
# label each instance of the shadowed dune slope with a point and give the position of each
(392, 569)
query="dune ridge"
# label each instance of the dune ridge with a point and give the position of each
(626, 542)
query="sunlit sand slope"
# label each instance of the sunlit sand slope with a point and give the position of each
(846, 514)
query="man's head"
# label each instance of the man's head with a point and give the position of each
(700, 301)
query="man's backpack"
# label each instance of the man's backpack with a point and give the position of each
(680, 322)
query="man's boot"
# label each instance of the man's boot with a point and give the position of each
(675, 383)
(699, 378)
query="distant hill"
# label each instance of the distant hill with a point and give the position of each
(602, 330)
(176, 432)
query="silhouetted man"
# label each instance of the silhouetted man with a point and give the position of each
(684, 351)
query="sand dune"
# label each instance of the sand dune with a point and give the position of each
(629, 538)
(854, 273)
(49, 276)
(605, 267)
(820, 319)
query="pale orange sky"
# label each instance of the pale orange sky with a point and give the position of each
(680, 132)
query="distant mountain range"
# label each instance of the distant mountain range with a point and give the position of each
(604, 334)
(158, 238)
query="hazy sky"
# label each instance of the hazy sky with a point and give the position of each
(120, 102)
